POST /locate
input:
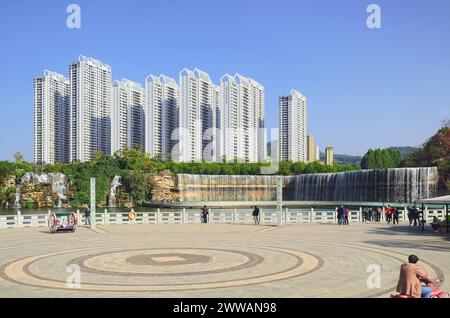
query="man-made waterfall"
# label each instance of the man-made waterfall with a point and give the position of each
(17, 200)
(112, 193)
(382, 185)
(57, 180)
(227, 188)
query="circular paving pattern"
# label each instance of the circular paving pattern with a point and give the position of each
(159, 269)
(211, 261)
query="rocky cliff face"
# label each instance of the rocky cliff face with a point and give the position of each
(165, 187)
(34, 193)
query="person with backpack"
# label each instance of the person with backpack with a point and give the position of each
(256, 215)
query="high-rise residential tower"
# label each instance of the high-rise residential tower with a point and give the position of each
(329, 157)
(242, 119)
(311, 149)
(317, 153)
(90, 107)
(128, 116)
(197, 94)
(51, 118)
(293, 144)
(162, 116)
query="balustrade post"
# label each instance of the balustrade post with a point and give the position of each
(158, 216)
(235, 216)
(426, 214)
(19, 218)
(105, 216)
(360, 217)
(405, 214)
(261, 215)
(78, 215)
(311, 213)
(335, 215)
(183, 216)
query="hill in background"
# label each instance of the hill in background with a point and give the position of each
(405, 151)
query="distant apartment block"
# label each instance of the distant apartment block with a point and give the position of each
(196, 116)
(242, 119)
(292, 139)
(51, 118)
(90, 108)
(329, 156)
(162, 116)
(311, 148)
(192, 120)
(128, 116)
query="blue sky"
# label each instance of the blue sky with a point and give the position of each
(365, 87)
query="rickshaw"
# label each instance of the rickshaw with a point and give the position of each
(62, 222)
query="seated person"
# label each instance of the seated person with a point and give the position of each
(411, 277)
(437, 225)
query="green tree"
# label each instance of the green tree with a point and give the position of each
(18, 157)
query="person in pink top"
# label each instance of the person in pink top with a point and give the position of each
(347, 213)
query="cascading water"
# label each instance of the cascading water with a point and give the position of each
(59, 186)
(112, 193)
(57, 180)
(17, 200)
(381, 185)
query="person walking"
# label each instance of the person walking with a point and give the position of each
(415, 216)
(87, 216)
(205, 213)
(341, 215)
(373, 214)
(365, 214)
(410, 215)
(379, 212)
(395, 214)
(388, 214)
(256, 215)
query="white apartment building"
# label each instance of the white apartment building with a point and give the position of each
(242, 119)
(217, 140)
(90, 106)
(197, 116)
(128, 116)
(162, 116)
(293, 144)
(51, 118)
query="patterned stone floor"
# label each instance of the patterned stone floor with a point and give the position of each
(215, 260)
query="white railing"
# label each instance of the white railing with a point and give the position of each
(184, 216)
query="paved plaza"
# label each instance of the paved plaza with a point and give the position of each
(215, 260)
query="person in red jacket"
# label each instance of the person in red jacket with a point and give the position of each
(388, 214)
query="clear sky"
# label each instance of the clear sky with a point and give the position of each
(365, 87)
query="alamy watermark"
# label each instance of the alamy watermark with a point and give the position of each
(74, 19)
(374, 279)
(374, 19)
(74, 278)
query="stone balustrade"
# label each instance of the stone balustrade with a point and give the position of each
(180, 216)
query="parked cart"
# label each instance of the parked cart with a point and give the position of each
(62, 222)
